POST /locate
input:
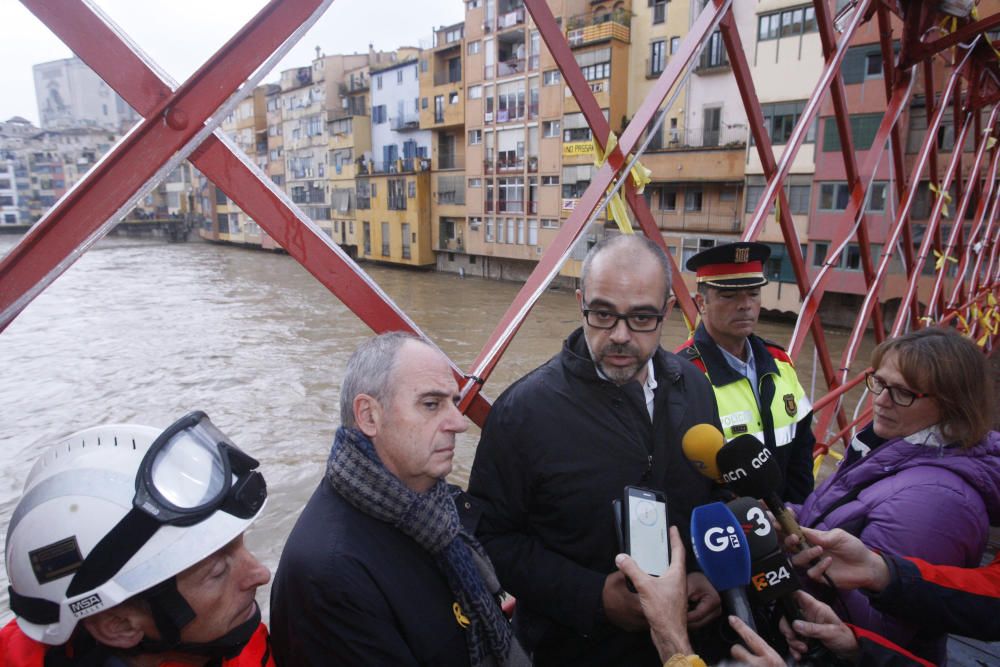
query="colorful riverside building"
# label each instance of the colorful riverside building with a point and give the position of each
(442, 111)
(396, 225)
(467, 156)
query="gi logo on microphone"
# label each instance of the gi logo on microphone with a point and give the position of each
(719, 539)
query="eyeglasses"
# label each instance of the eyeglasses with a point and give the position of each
(637, 322)
(902, 397)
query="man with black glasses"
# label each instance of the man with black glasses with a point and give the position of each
(561, 443)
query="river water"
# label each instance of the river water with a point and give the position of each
(145, 331)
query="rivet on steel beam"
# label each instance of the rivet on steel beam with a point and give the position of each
(176, 119)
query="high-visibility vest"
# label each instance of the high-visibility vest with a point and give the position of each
(739, 412)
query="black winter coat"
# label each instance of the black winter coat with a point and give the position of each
(352, 590)
(559, 445)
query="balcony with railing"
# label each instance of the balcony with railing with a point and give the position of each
(398, 166)
(407, 121)
(510, 67)
(308, 195)
(584, 29)
(510, 164)
(352, 109)
(510, 206)
(510, 19)
(717, 136)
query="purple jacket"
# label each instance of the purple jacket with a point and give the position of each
(934, 503)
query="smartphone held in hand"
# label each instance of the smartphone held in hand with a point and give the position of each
(644, 534)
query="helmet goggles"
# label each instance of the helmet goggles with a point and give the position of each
(190, 472)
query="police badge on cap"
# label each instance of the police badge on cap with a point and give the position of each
(731, 265)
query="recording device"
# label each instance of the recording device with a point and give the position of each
(641, 520)
(772, 578)
(721, 548)
(753, 519)
(749, 469)
(701, 443)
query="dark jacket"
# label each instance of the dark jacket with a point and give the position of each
(559, 445)
(352, 590)
(794, 458)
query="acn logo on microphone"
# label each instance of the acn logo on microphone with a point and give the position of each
(756, 462)
(718, 539)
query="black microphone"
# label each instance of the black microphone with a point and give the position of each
(772, 578)
(749, 469)
(722, 552)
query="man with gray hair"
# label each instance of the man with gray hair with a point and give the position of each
(378, 569)
(562, 442)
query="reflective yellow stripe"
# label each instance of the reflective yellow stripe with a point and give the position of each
(739, 413)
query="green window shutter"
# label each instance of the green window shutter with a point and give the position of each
(831, 137)
(853, 67)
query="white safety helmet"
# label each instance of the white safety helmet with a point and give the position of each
(112, 511)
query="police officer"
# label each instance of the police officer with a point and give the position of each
(754, 381)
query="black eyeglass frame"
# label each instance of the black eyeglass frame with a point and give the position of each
(657, 317)
(876, 386)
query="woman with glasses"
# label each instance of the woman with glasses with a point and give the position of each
(923, 478)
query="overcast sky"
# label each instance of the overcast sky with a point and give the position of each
(181, 34)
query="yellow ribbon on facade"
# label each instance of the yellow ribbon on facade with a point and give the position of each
(945, 195)
(640, 177)
(941, 259)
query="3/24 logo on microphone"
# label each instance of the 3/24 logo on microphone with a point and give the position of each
(770, 578)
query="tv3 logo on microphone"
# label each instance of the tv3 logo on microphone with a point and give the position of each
(756, 462)
(719, 539)
(762, 580)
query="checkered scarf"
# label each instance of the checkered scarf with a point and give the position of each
(431, 520)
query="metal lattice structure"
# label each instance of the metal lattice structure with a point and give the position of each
(952, 56)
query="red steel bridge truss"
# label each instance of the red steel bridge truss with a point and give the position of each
(952, 57)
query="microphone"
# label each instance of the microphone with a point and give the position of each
(772, 578)
(701, 443)
(721, 550)
(749, 469)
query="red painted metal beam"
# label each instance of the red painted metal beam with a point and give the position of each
(552, 35)
(811, 303)
(48, 248)
(105, 50)
(967, 32)
(859, 189)
(890, 77)
(765, 152)
(936, 300)
(857, 332)
(558, 250)
(802, 126)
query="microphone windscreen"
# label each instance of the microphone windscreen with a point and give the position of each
(748, 467)
(773, 577)
(701, 443)
(720, 546)
(760, 534)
